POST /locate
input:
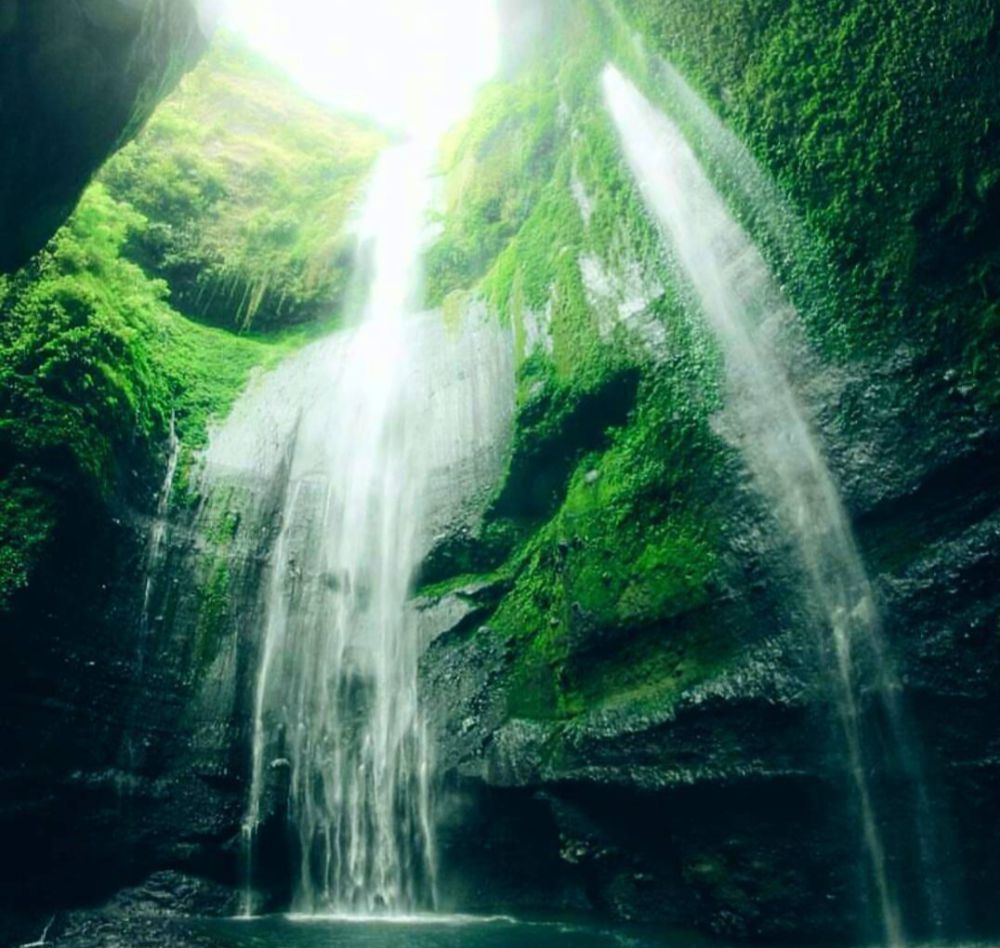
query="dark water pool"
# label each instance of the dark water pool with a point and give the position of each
(456, 932)
(443, 932)
(450, 933)
(103, 931)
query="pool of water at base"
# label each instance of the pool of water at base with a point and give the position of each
(440, 932)
(138, 931)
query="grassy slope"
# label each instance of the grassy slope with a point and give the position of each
(94, 356)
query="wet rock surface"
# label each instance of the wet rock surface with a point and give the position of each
(127, 736)
(681, 811)
(722, 807)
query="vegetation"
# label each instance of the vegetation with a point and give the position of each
(614, 494)
(880, 123)
(246, 187)
(611, 526)
(96, 359)
(231, 207)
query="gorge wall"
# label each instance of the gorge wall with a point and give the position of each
(627, 711)
(126, 746)
(630, 665)
(77, 82)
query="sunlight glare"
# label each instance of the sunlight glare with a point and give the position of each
(410, 64)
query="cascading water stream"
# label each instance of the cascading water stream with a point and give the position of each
(157, 534)
(337, 679)
(380, 433)
(738, 296)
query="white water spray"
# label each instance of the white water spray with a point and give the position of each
(380, 433)
(738, 296)
(338, 673)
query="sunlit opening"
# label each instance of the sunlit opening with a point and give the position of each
(410, 64)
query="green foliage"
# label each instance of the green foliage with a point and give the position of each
(93, 364)
(878, 124)
(27, 516)
(496, 163)
(615, 473)
(246, 186)
(880, 121)
(555, 425)
(95, 359)
(630, 555)
(213, 613)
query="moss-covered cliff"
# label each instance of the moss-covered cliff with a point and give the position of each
(620, 668)
(879, 122)
(246, 186)
(132, 324)
(625, 629)
(611, 504)
(233, 200)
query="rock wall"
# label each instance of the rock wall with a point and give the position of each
(649, 697)
(77, 81)
(628, 713)
(723, 808)
(125, 664)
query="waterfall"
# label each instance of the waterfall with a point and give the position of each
(157, 534)
(381, 435)
(741, 301)
(338, 673)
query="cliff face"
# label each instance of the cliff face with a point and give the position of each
(633, 672)
(120, 671)
(245, 185)
(723, 804)
(630, 712)
(77, 81)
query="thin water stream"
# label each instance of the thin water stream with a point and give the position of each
(157, 534)
(739, 297)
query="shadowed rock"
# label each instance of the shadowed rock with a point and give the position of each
(77, 81)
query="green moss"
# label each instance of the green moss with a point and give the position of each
(225, 528)
(92, 359)
(456, 584)
(631, 550)
(614, 478)
(27, 516)
(95, 358)
(872, 208)
(879, 124)
(246, 186)
(555, 425)
(213, 615)
(495, 164)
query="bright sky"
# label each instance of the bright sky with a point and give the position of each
(408, 63)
